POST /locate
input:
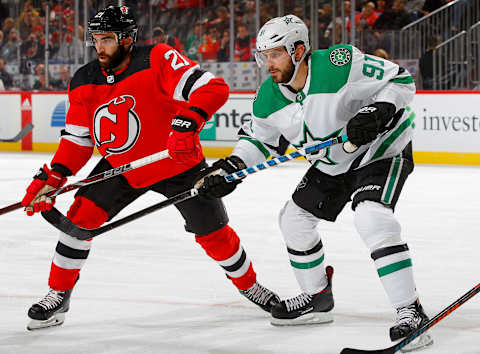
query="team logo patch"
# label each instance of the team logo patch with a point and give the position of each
(340, 56)
(288, 20)
(116, 125)
(303, 183)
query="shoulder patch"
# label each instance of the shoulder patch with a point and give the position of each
(340, 56)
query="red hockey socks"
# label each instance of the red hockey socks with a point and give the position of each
(225, 248)
(71, 254)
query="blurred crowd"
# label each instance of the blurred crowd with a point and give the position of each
(200, 29)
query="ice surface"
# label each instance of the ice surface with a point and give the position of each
(149, 288)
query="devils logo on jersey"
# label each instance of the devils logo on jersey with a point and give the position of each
(116, 126)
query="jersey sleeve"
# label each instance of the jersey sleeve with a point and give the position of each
(76, 145)
(380, 79)
(183, 80)
(258, 140)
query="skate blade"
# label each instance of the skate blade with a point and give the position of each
(308, 319)
(421, 342)
(55, 320)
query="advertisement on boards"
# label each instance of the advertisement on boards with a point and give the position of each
(48, 116)
(10, 122)
(446, 124)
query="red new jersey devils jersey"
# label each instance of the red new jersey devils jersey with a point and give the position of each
(128, 115)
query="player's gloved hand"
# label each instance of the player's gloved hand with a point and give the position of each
(369, 122)
(43, 182)
(211, 183)
(183, 143)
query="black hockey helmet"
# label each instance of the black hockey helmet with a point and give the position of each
(116, 19)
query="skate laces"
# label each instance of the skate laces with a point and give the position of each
(52, 299)
(257, 294)
(296, 302)
(408, 315)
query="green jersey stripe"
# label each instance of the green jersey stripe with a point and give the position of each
(307, 265)
(403, 80)
(394, 267)
(259, 146)
(392, 180)
(395, 134)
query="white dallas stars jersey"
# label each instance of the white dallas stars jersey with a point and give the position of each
(340, 81)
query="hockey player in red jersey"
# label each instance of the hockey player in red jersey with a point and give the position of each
(130, 103)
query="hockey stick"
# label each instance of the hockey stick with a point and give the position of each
(25, 130)
(448, 310)
(98, 177)
(60, 221)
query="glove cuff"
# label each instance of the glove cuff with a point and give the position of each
(237, 162)
(188, 120)
(54, 178)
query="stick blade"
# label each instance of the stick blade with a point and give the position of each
(390, 350)
(25, 130)
(62, 223)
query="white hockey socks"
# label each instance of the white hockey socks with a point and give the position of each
(380, 231)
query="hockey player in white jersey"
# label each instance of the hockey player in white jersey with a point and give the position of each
(311, 97)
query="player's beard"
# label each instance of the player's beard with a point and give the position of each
(115, 59)
(286, 74)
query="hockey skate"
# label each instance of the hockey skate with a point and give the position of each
(306, 309)
(50, 311)
(410, 318)
(261, 296)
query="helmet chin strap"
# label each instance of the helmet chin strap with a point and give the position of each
(296, 64)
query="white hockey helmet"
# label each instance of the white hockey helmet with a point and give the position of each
(286, 31)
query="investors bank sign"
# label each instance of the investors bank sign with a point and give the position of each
(447, 123)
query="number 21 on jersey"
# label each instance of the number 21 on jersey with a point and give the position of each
(177, 60)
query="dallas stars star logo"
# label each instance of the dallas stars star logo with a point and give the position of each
(308, 140)
(340, 56)
(288, 20)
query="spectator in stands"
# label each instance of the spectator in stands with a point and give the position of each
(249, 16)
(173, 41)
(4, 75)
(381, 53)
(381, 7)
(365, 19)
(244, 44)
(210, 45)
(25, 24)
(31, 48)
(223, 53)
(300, 13)
(8, 25)
(11, 49)
(68, 16)
(158, 36)
(222, 21)
(41, 81)
(394, 19)
(324, 19)
(265, 13)
(414, 8)
(189, 3)
(339, 22)
(54, 45)
(193, 42)
(426, 62)
(70, 45)
(64, 78)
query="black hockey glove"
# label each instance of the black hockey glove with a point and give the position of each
(369, 122)
(211, 183)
